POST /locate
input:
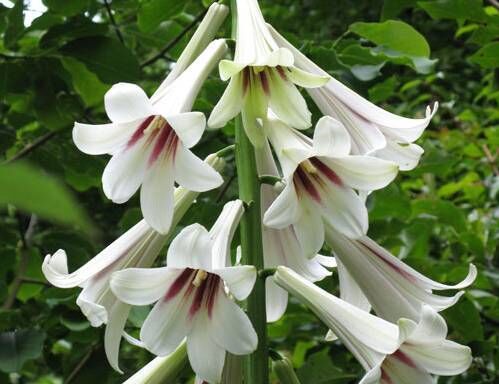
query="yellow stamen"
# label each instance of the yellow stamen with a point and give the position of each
(200, 276)
(309, 167)
(157, 122)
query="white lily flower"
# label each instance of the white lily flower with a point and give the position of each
(367, 337)
(320, 180)
(282, 247)
(372, 129)
(424, 351)
(149, 140)
(262, 75)
(394, 289)
(137, 247)
(192, 297)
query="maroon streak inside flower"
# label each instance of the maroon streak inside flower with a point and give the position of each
(385, 379)
(198, 298)
(212, 293)
(246, 79)
(281, 72)
(140, 131)
(179, 283)
(328, 172)
(401, 356)
(301, 178)
(265, 82)
(166, 141)
(205, 294)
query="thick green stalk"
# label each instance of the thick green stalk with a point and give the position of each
(256, 370)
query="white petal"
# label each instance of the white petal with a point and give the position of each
(231, 328)
(156, 195)
(229, 68)
(207, 358)
(193, 173)
(405, 155)
(327, 261)
(372, 377)
(222, 232)
(113, 333)
(276, 300)
(331, 139)
(306, 79)
(431, 328)
(103, 138)
(240, 279)
(189, 127)
(126, 102)
(310, 230)
(191, 248)
(125, 172)
(142, 286)
(278, 57)
(364, 172)
(229, 105)
(285, 209)
(350, 290)
(345, 212)
(445, 359)
(396, 370)
(287, 102)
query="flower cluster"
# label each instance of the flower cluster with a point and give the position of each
(317, 197)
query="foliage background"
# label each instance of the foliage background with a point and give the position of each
(438, 218)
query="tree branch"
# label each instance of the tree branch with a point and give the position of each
(81, 364)
(174, 42)
(31, 147)
(26, 240)
(113, 21)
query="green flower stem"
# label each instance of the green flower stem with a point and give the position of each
(256, 370)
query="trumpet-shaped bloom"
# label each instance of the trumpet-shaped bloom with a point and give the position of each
(138, 247)
(261, 75)
(320, 180)
(282, 247)
(424, 351)
(393, 288)
(192, 297)
(367, 337)
(372, 129)
(149, 140)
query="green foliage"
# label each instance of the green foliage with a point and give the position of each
(438, 218)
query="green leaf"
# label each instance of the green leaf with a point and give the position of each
(465, 319)
(17, 347)
(392, 8)
(446, 213)
(153, 12)
(395, 35)
(110, 60)
(65, 7)
(319, 369)
(31, 190)
(454, 9)
(487, 56)
(15, 24)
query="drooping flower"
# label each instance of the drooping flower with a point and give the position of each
(192, 297)
(367, 337)
(393, 288)
(372, 129)
(262, 75)
(282, 247)
(406, 353)
(320, 180)
(137, 247)
(424, 351)
(149, 140)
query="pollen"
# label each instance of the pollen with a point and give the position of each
(309, 167)
(201, 275)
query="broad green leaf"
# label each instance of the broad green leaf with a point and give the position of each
(465, 319)
(74, 28)
(487, 56)
(110, 60)
(153, 12)
(15, 24)
(319, 369)
(444, 211)
(33, 191)
(454, 9)
(394, 35)
(17, 347)
(66, 7)
(392, 8)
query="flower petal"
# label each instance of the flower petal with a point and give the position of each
(207, 358)
(231, 328)
(157, 195)
(364, 172)
(285, 209)
(405, 155)
(306, 79)
(239, 279)
(229, 105)
(126, 102)
(350, 290)
(114, 330)
(194, 174)
(276, 300)
(331, 139)
(142, 286)
(191, 248)
(125, 172)
(229, 68)
(310, 229)
(189, 127)
(103, 138)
